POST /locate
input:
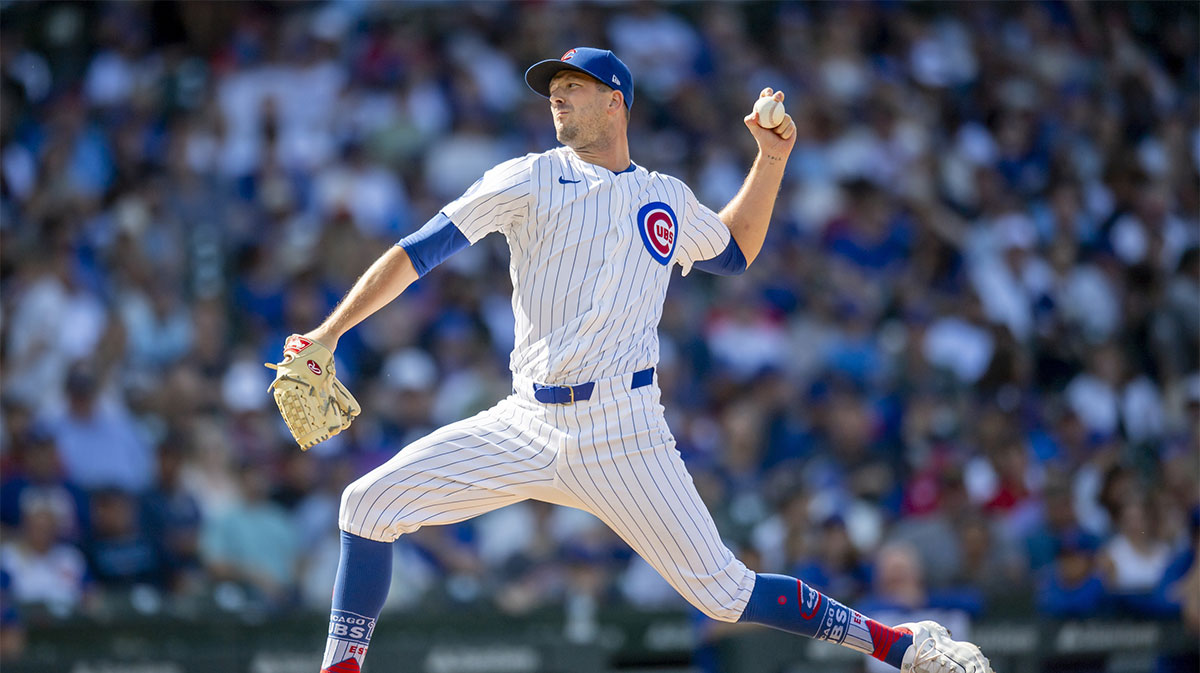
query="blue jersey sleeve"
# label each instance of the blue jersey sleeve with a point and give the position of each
(731, 261)
(433, 243)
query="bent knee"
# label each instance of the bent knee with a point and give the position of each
(725, 613)
(357, 515)
(723, 596)
(352, 497)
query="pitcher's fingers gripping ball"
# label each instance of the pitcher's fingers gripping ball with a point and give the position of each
(769, 113)
(313, 403)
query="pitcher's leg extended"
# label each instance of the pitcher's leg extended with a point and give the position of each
(649, 499)
(458, 472)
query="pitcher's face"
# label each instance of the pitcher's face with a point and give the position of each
(578, 104)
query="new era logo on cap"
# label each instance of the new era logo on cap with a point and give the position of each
(599, 63)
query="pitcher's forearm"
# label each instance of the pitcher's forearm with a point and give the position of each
(749, 212)
(390, 275)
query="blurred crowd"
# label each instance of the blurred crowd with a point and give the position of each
(964, 375)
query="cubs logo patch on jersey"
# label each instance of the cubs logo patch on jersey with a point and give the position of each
(656, 223)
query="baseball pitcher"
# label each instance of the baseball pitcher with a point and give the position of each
(593, 238)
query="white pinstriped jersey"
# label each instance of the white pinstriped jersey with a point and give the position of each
(591, 256)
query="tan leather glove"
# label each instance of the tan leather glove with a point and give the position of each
(313, 403)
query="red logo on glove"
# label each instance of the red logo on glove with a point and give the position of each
(295, 344)
(314, 367)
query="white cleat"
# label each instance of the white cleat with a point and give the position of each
(933, 651)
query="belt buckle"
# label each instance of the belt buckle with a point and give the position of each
(572, 389)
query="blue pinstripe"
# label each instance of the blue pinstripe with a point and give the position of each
(630, 526)
(680, 482)
(678, 526)
(616, 467)
(444, 497)
(388, 477)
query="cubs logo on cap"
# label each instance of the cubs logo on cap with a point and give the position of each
(601, 64)
(656, 223)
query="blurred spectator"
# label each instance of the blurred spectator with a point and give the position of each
(92, 418)
(39, 478)
(1072, 585)
(404, 399)
(991, 567)
(120, 553)
(872, 235)
(1133, 561)
(898, 580)
(254, 544)
(171, 518)
(44, 571)
(960, 344)
(371, 194)
(1174, 594)
(748, 339)
(158, 325)
(1093, 394)
(461, 158)
(658, 46)
(1057, 522)
(832, 563)
(56, 321)
(899, 595)
(781, 538)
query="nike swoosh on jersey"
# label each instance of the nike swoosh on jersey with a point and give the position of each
(564, 181)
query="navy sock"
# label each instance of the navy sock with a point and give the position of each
(788, 604)
(363, 577)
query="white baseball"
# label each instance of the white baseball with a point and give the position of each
(770, 112)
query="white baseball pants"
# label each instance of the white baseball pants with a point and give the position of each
(612, 456)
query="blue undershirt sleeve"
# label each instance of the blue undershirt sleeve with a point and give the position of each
(731, 261)
(433, 243)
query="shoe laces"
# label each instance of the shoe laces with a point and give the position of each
(930, 659)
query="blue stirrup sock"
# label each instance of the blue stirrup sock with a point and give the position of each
(363, 577)
(788, 604)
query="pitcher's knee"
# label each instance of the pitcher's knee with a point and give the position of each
(723, 595)
(359, 516)
(723, 612)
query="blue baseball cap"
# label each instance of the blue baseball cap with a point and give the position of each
(599, 63)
